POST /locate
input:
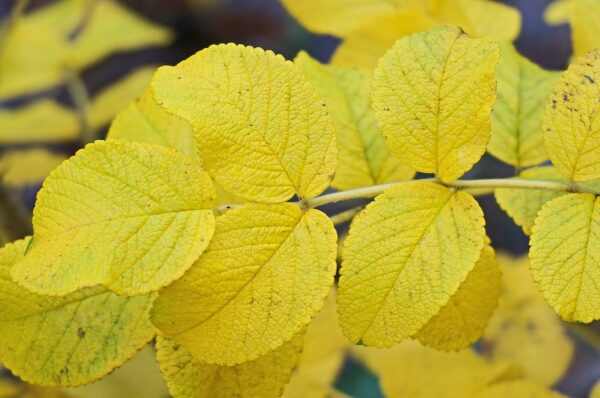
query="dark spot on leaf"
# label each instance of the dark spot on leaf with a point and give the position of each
(81, 333)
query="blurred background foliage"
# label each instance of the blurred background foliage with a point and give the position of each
(67, 67)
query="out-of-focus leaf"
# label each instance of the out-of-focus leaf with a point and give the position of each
(69, 34)
(524, 330)
(112, 27)
(557, 12)
(42, 121)
(412, 370)
(364, 46)
(116, 97)
(322, 357)
(25, 167)
(140, 377)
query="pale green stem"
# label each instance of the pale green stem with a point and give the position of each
(494, 183)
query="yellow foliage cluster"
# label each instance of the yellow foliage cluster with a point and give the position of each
(196, 221)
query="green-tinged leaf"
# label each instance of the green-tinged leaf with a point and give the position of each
(265, 376)
(28, 166)
(262, 130)
(363, 156)
(564, 259)
(571, 128)
(132, 217)
(42, 121)
(265, 274)
(117, 96)
(404, 257)
(464, 318)
(432, 95)
(68, 340)
(523, 90)
(522, 205)
(146, 121)
(524, 330)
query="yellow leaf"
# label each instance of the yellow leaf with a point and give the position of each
(411, 370)
(42, 121)
(117, 96)
(339, 17)
(28, 166)
(343, 17)
(112, 28)
(585, 31)
(518, 388)
(363, 157)
(564, 261)
(262, 130)
(404, 257)
(322, 356)
(523, 89)
(524, 330)
(35, 48)
(263, 377)
(369, 41)
(132, 217)
(432, 95)
(480, 17)
(595, 393)
(140, 377)
(463, 319)
(570, 123)
(41, 44)
(68, 340)
(146, 121)
(557, 12)
(265, 274)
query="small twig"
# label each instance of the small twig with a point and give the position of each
(345, 216)
(81, 99)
